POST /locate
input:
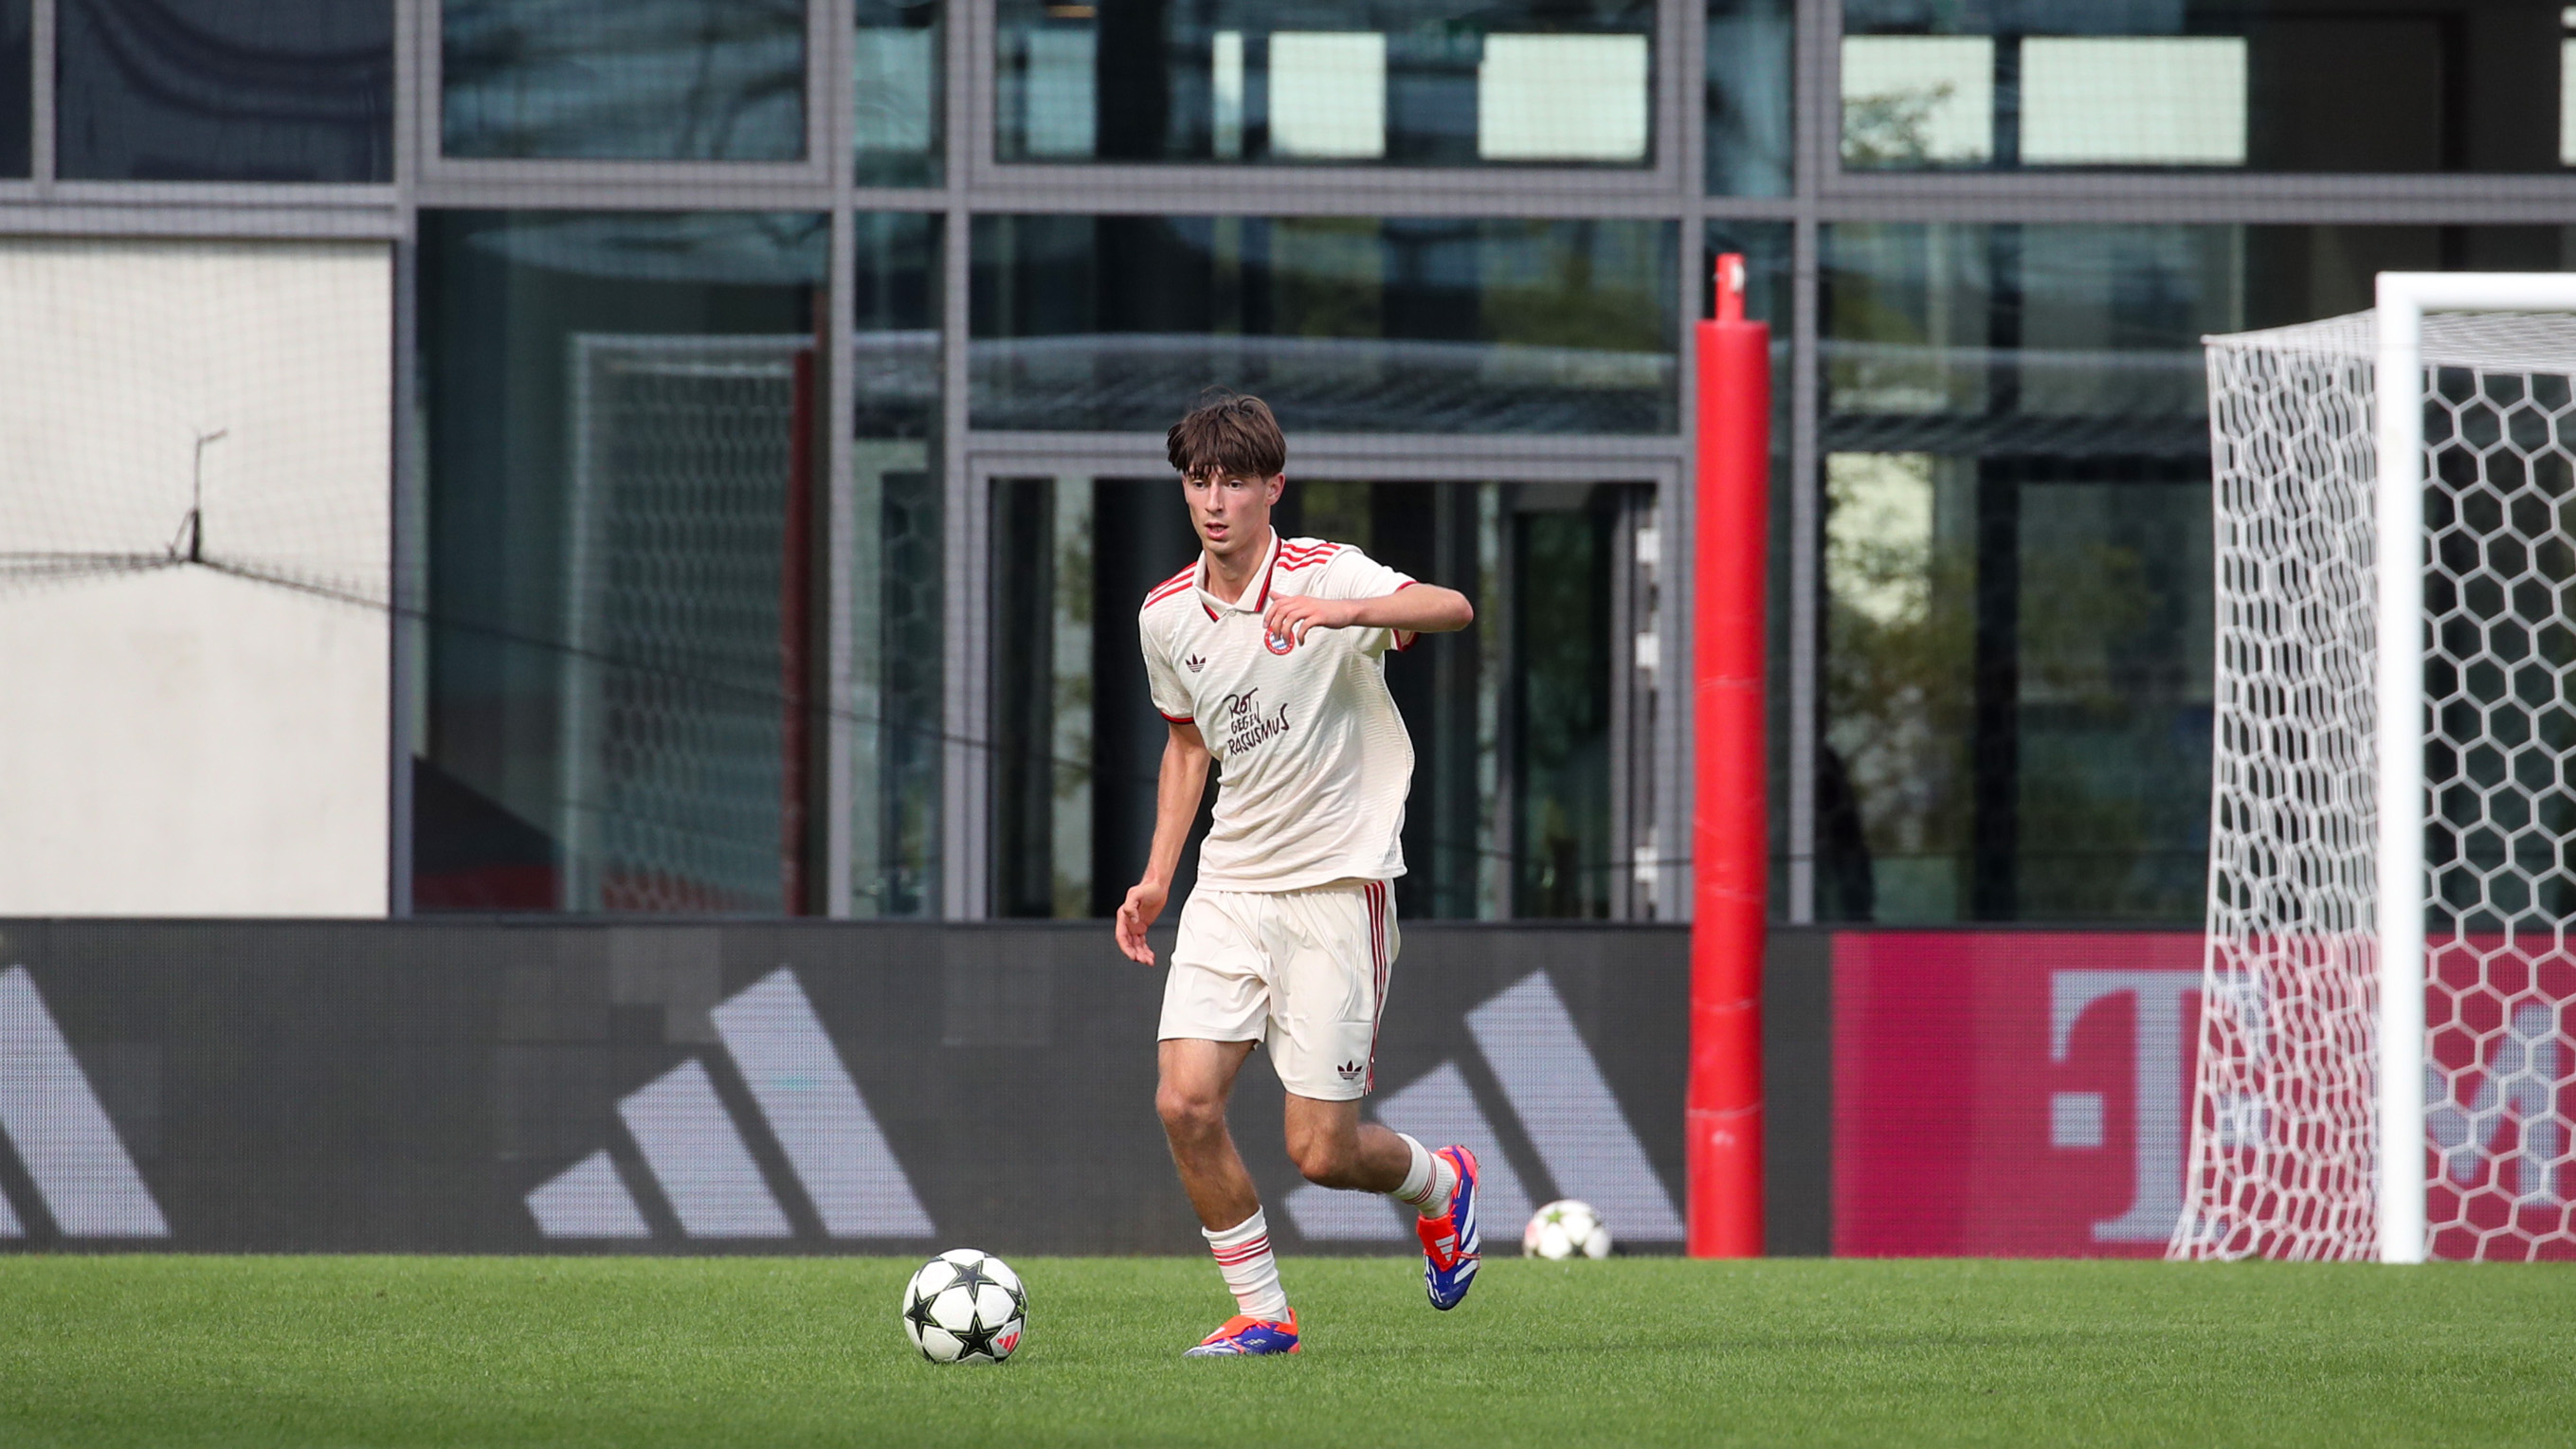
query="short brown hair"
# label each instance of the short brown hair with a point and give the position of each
(1228, 433)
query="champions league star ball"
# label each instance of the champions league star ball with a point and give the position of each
(1565, 1229)
(965, 1307)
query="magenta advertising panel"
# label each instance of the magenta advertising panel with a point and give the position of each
(2021, 1094)
(2028, 1094)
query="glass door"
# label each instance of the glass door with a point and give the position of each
(1533, 731)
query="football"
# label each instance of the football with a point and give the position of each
(1565, 1229)
(965, 1306)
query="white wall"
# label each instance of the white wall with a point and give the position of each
(180, 741)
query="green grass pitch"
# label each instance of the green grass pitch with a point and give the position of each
(781, 1352)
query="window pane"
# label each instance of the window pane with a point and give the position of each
(1356, 324)
(2152, 100)
(2264, 85)
(895, 375)
(2017, 566)
(897, 61)
(1749, 92)
(896, 728)
(1408, 82)
(2017, 671)
(2018, 688)
(17, 87)
(1513, 720)
(624, 561)
(205, 90)
(1047, 783)
(1564, 862)
(643, 80)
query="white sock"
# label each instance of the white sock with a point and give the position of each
(1428, 1183)
(1243, 1256)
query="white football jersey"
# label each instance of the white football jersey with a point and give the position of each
(1313, 762)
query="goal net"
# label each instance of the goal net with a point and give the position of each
(687, 659)
(2424, 1031)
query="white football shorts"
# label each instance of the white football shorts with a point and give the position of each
(1302, 972)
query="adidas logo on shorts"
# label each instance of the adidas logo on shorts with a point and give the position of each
(1350, 1071)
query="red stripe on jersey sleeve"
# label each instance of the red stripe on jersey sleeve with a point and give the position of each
(1173, 585)
(1293, 559)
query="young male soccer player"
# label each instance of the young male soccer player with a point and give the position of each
(1268, 655)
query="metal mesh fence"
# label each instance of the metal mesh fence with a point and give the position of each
(186, 402)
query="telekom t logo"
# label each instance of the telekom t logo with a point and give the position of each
(2075, 1118)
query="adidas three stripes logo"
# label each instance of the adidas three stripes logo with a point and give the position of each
(698, 1158)
(79, 1174)
(81, 1171)
(1554, 1087)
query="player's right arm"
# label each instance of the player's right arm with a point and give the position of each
(1177, 792)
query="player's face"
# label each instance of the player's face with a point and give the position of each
(1231, 514)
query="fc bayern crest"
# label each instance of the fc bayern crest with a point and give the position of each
(1277, 643)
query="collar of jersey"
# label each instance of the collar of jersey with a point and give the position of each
(1259, 598)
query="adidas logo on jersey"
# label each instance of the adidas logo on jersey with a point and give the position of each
(1196, 662)
(690, 1147)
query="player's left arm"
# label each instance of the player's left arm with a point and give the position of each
(1416, 608)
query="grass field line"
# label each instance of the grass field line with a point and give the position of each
(171, 1350)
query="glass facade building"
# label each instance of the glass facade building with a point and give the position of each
(2251, 85)
(657, 80)
(1294, 82)
(780, 388)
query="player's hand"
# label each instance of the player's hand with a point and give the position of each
(1144, 902)
(1289, 618)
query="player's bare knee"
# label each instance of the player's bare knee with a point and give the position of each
(1326, 1159)
(1187, 1115)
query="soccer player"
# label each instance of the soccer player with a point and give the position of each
(1268, 656)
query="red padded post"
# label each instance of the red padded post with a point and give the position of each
(1730, 838)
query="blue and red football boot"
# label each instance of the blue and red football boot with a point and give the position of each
(1451, 1243)
(1244, 1334)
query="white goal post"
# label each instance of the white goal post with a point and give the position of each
(2316, 1075)
(2403, 299)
